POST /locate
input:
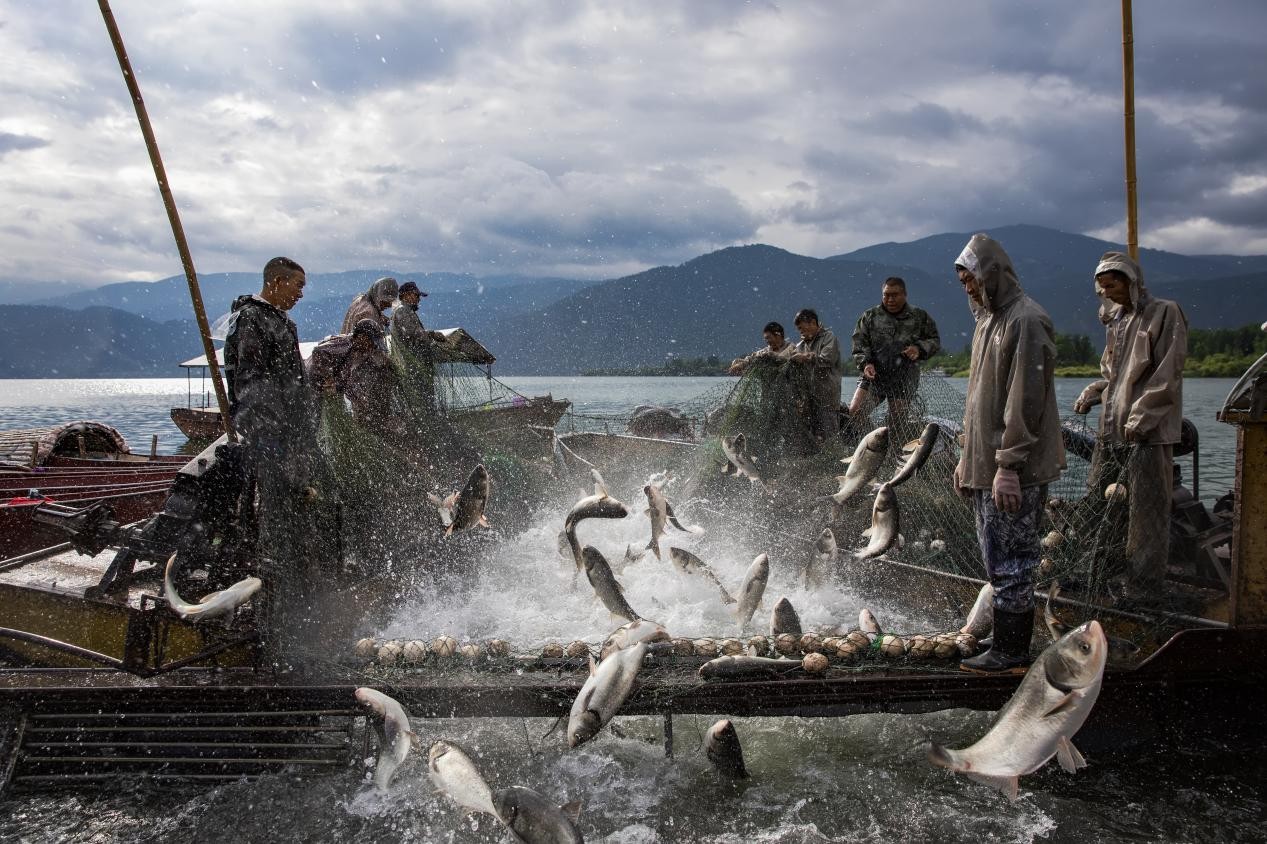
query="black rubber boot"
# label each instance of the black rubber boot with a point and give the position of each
(1009, 651)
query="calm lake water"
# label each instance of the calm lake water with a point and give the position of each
(861, 778)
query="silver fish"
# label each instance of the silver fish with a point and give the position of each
(863, 465)
(605, 586)
(465, 508)
(721, 744)
(927, 443)
(1037, 723)
(688, 563)
(868, 624)
(455, 774)
(784, 619)
(738, 461)
(603, 693)
(826, 553)
(600, 505)
(883, 532)
(394, 736)
(754, 582)
(535, 819)
(661, 513)
(729, 667)
(631, 634)
(223, 602)
(981, 617)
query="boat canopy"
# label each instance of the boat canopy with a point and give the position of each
(457, 347)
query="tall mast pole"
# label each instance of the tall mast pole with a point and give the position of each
(1128, 97)
(173, 216)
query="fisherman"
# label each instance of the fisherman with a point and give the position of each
(1146, 342)
(371, 304)
(776, 349)
(888, 343)
(820, 352)
(1012, 441)
(271, 407)
(414, 344)
(355, 366)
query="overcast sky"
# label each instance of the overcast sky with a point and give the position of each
(598, 139)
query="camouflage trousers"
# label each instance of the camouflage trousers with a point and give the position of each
(1009, 546)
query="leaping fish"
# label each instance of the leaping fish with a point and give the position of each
(215, 604)
(600, 576)
(1037, 723)
(600, 505)
(923, 449)
(465, 508)
(754, 583)
(391, 724)
(863, 465)
(688, 563)
(738, 461)
(883, 532)
(661, 513)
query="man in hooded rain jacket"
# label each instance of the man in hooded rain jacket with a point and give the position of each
(1146, 342)
(1012, 441)
(371, 304)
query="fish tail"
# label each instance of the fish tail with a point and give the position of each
(654, 547)
(940, 756)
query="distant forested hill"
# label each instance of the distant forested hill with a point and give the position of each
(44, 342)
(715, 304)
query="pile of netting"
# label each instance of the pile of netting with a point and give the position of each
(1086, 538)
(387, 475)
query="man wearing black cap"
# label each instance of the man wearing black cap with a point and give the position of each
(413, 343)
(355, 366)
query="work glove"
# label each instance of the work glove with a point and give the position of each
(1007, 490)
(962, 490)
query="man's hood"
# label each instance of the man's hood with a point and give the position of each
(986, 259)
(1130, 268)
(384, 290)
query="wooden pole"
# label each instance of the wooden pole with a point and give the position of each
(173, 216)
(1128, 97)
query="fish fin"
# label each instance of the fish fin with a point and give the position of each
(451, 500)
(573, 809)
(435, 499)
(911, 446)
(754, 459)
(448, 531)
(415, 741)
(847, 460)
(901, 541)
(484, 521)
(729, 468)
(1068, 756)
(727, 599)
(1008, 785)
(1065, 704)
(654, 547)
(593, 668)
(866, 534)
(840, 479)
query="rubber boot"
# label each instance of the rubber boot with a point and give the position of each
(1009, 651)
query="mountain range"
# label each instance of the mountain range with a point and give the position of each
(713, 304)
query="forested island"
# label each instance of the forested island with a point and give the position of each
(1212, 353)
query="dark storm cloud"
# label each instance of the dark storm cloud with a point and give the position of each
(576, 138)
(10, 142)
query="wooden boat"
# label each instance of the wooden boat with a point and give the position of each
(510, 412)
(75, 465)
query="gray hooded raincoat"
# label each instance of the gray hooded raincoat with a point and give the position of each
(1010, 418)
